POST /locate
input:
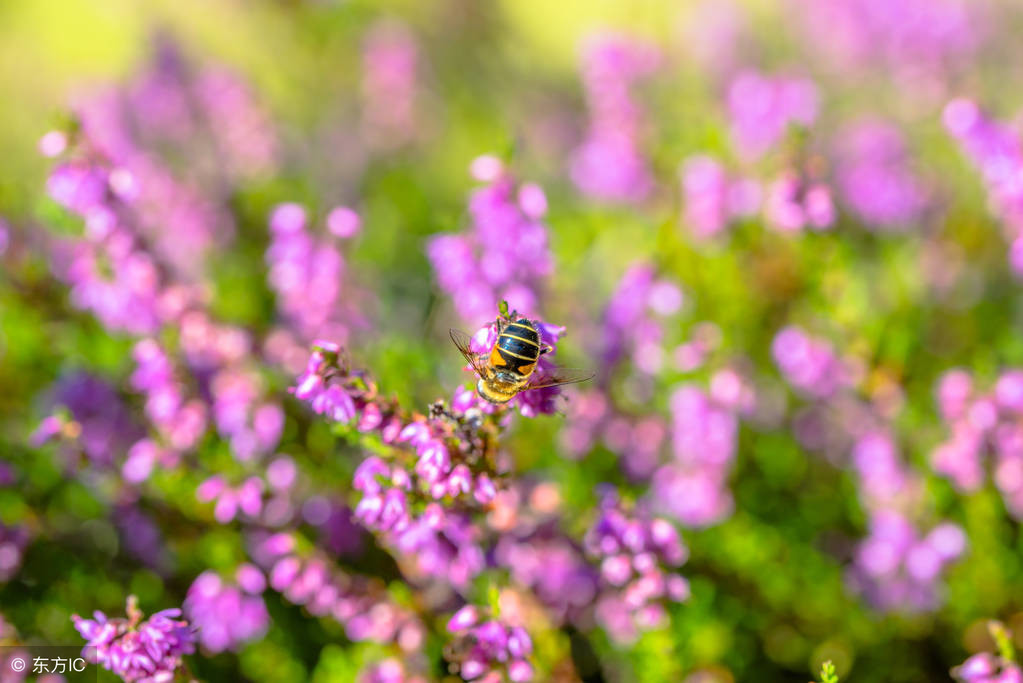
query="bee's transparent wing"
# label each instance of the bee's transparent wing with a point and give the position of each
(556, 376)
(462, 341)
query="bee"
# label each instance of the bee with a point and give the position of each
(510, 367)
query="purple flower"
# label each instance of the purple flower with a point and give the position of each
(693, 488)
(763, 107)
(491, 645)
(135, 649)
(996, 151)
(390, 60)
(224, 616)
(712, 200)
(306, 272)
(808, 363)
(633, 317)
(637, 555)
(875, 177)
(609, 164)
(105, 426)
(476, 268)
(896, 569)
(793, 203)
(915, 42)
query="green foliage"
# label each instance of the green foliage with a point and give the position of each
(828, 674)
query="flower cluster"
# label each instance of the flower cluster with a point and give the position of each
(538, 554)
(108, 273)
(997, 152)
(693, 486)
(180, 423)
(896, 566)
(390, 60)
(637, 440)
(633, 318)
(979, 423)
(12, 550)
(390, 670)
(875, 177)
(89, 411)
(914, 41)
(713, 198)
(179, 211)
(483, 648)
(358, 603)
(761, 109)
(985, 667)
(137, 649)
(306, 273)
(609, 164)
(794, 202)
(225, 615)
(443, 544)
(637, 556)
(479, 268)
(809, 363)
(246, 497)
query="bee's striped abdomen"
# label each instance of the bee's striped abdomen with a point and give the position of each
(518, 347)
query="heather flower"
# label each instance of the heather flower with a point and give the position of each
(996, 152)
(359, 603)
(241, 128)
(390, 670)
(306, 271)
(980, 424)
(693, 487)
(13, 541)
(637, 440)
(712, 199)
(916, 40)
(633, 318)
(985, 667)
(883, 478)
(550, 564)
(111, 277)
(247, 497)
(762, 108)
(808, 363)
(103, 425)
(637, 556)
(609, 164)
(484, 648)
(137, 649)
(792, 203)
(897, 569)
(875, 177)
(477, 269)
(225, 615)
(390, 61)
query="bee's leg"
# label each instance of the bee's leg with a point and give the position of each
(546, 349)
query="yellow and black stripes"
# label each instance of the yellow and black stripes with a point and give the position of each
(517, 348)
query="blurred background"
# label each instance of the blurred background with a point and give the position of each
(785, 236)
